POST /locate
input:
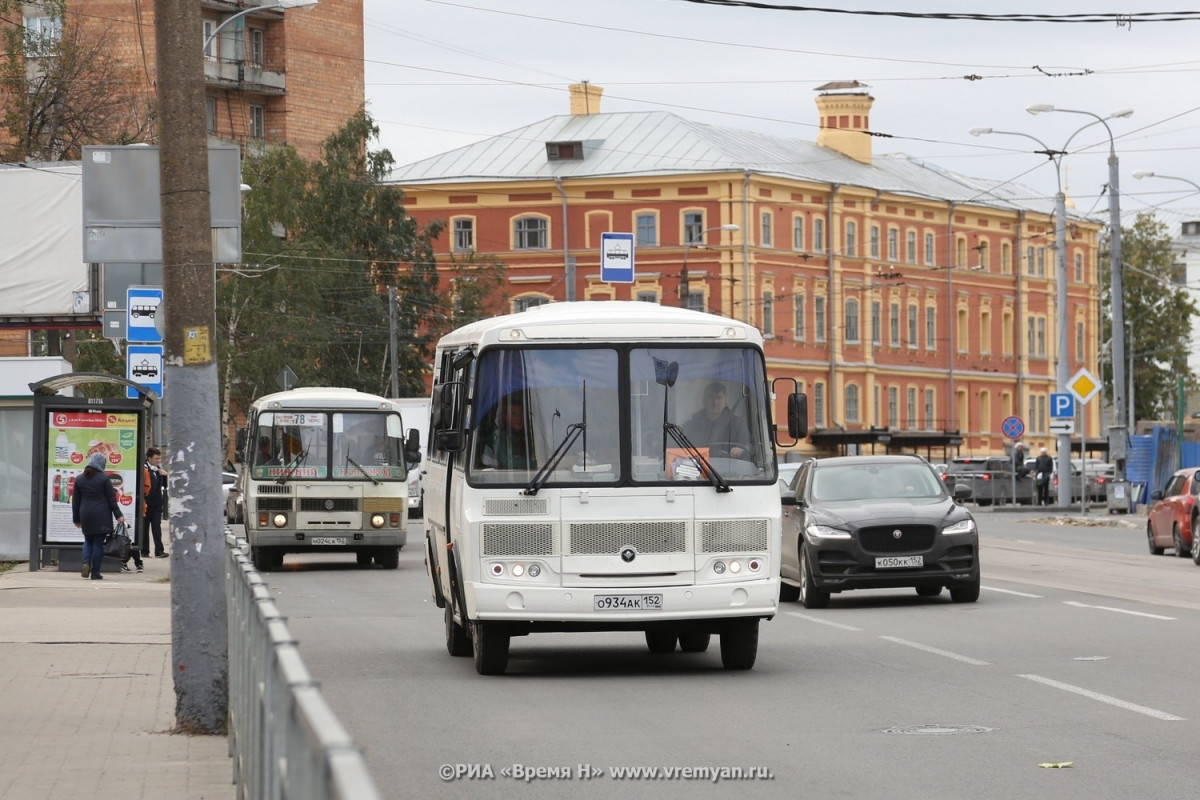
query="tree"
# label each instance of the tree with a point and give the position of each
(63, 87)
(323, 242)
(1158, 318)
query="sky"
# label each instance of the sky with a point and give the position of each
(441, 74)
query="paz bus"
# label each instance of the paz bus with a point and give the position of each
(575, 480)
(323, 469)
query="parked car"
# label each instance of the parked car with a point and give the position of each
(787, 472)
(991, 480)
(876, 522)
(1172, 519)
(1099, 473)
(228, 481)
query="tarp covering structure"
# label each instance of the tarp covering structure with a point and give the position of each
(44, 278)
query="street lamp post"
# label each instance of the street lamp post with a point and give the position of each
(282, 4)
(684, 287)
(1117, 286)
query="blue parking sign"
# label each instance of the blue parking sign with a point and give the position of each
(1062, 404)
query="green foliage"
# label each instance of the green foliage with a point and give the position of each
(95, 353)
(1158, 318)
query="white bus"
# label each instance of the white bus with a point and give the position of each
(581, 477)
(323, 469)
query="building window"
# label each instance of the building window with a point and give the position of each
(210, 115)
(851, 238)
(876, 407)
(693, 227)
(1030, 335)
(1030, 261)
(464, 235)
(529, 233)
(1041, 336)
(894, 324)
(874, 241)
(930, 327)
(963, 335)
(893, 244)
(819, 405)
(258, 122)
(876, 323)
(1041, 262)
(929, 419)
(910, 247)
(798, 328)
(851, 403)
(818, 235)
(911, 409)
(1079, 267)
(647, 296)
(960, 252)
(985, 333)
(256, 47)
(1079, 341)
(529, 301)
(1005, 258)
(564, 151)
(852, 321)
(1031, 420)
(797, 233)
(930, 250)
(765, 229)
(912, 327)
(41, 35)
(768, 314)
(647, 230)
(819, 319)
(695, 300)
(893, 407)
(984, 258)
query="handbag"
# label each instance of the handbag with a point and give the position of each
(117, 544)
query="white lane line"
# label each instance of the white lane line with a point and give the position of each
(935, 651)
(1103, 698)
(1077, 604)
(810, 618)
(1010, 591)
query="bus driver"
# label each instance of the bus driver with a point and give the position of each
(716, 427)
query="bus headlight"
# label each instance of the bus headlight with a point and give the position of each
(735, 566)
(497, 570)
(378, 520)
(719, 567)
(534, 570)
(518, 570)
(279, 520)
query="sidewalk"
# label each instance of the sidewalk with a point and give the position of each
(87, 701)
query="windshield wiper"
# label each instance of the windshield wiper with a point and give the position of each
(363, 470)
(681, 439)
(543, 474)
(292, 465)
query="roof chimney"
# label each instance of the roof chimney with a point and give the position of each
(845, 119)
(585, 99)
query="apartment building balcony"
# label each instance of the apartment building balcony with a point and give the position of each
(241, 76)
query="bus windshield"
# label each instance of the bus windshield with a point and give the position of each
(341, 445)
(611, 415)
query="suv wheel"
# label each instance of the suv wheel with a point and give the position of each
(810, 595)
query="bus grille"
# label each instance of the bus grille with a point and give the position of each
(515, 506)
(500, 539)
(274, 488)
(605, 538)
(734, 535)
(274, 504)
(329, 504)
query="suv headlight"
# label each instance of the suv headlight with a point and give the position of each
(962, 526)
(816, 533)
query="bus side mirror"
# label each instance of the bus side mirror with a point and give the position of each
(412, 446)
(239, 444)
(797, 411)
(450, 441)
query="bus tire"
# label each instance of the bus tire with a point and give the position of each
(458, 643)
(661, 642)
(693, 642)
(264, 559)
(490, 641)
(363, 557)
(388, 557)
(788, 593)
(739, 644)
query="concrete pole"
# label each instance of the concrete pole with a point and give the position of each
(1064, 351)
(393, 340)
(199, 636)
(1117, 287)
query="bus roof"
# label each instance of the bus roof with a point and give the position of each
(320, 397)
(603, 320)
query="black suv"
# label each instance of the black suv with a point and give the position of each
(876, 522)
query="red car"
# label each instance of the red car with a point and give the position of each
(1174, 519)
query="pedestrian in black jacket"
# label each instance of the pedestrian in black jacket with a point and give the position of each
(93, 508)
(1044, 468)
(155, 487)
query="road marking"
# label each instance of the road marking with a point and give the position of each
(810, 618)
(1010, 591)
(935, 651)
(1077, 604)
(1103, 698)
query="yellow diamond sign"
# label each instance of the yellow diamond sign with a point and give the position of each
(1084, 386)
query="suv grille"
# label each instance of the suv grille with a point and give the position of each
(882, 538)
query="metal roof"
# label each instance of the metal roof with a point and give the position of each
(652, 143)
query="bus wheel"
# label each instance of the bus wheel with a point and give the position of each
(694, 642)
(661, 642)
(388, 557)
(739, 643)
(788, 593)
(458, 644)
(263, 559)
(491, 647)
(363, 557)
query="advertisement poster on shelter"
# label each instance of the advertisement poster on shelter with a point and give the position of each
(73, 436)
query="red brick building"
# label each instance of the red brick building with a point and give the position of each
(915, 306)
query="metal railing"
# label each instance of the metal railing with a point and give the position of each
(284, 739)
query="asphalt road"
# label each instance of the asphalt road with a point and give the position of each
(1072, 677)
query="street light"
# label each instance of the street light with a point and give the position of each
(1121, 408)
(687, 246)
(282, 4)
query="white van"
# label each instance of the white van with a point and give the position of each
(415, 411)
